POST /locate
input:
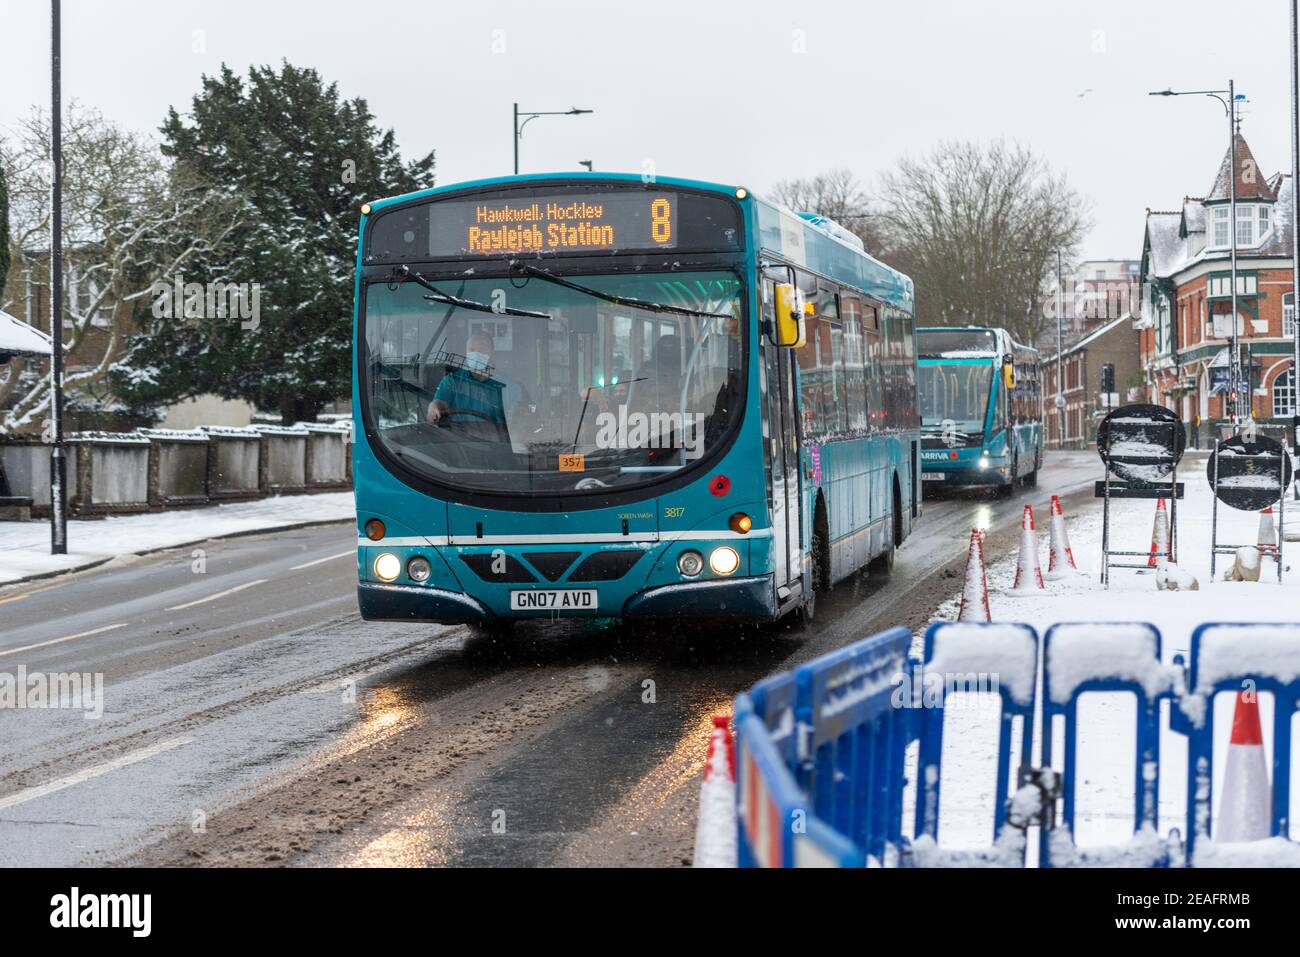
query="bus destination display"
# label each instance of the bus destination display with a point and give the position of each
(560, 223)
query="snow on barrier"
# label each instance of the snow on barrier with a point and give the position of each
(1079, 658)
(820, 750)
(969, 656)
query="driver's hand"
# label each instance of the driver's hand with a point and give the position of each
(437, 409)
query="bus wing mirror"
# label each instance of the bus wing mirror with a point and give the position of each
(1009, 371)
(790, 331)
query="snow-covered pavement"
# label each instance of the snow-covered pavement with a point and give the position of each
(25, 546)
(1107, 756)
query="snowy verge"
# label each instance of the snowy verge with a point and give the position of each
(25, 546)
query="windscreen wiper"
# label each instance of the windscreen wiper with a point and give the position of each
(629, 301)
(447, 299)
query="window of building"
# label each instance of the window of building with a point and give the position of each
(1288, 315)
(1220, 238)
(1284, 395)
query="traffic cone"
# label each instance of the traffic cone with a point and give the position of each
(1160, 536)
(1267, 533)
(1029, 574)
(975, 589)
(1060, 557)
(715, 829)
(1245, 804)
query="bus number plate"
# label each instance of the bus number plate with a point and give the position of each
(555, 599)
(933, 476)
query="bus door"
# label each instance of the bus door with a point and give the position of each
(783, 462)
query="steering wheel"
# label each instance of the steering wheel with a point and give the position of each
(442, 420)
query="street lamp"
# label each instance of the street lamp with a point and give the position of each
(586, 163)
(58, 455)
(1228, 98)
(518, 128)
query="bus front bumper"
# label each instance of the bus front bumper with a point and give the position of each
(752, 598)
(418, 603)
(735, 598)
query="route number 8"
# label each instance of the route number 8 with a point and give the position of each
(661, 223)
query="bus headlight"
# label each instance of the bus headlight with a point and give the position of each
(690, 564)
(387, 567)
(418, 569)
(984, 461)
(724, 560)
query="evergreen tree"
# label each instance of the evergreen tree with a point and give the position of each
(301, 160)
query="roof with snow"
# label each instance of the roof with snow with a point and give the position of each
(1251, 184)
(1096, 334)
(1176, 240)
(19, 339)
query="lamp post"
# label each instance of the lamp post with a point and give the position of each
(586, 163)
(1295, 211)
(1228, 98)
(1060, 359)
(58, 454)
(517, 128)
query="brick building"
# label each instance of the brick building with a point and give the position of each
(1115, 342)
(1186, 320)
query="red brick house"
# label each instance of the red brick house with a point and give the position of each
(1186, 317)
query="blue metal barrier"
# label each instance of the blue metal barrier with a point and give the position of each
(1105, 657)
(1229, 657)
(954, 651)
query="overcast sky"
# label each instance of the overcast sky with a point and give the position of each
(717, 89)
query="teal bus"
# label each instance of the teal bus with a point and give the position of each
(589, 395)
(981, 408)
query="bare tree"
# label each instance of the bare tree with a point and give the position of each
(978, 228)
(130, 218)
(835, 194)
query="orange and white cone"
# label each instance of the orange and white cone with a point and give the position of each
(1160, 536)
(1245, 803)
(1267, 533)
(1060, 557)
(715, 829)
(1029, 574)
(975, 589)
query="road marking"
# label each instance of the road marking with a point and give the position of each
(58, 641)
(5, 601)
(58, 784)
(351, 552)
(220, 594)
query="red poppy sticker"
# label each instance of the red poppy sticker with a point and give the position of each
(719, 485)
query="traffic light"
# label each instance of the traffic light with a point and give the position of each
(1108, 377)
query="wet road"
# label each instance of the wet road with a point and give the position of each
(250, 717)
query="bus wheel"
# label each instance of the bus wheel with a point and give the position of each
(819, 574)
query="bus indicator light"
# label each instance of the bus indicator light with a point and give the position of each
(740, 523)
(375, 530)
(720, 485)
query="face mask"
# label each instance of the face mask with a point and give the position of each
(477, 361)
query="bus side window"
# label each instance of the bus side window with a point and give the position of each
(854, 367)
(810, 378)
(874, 367)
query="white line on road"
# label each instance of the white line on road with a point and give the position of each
(220, 594)
(350, 553)
(57, 641)
(58, 784)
